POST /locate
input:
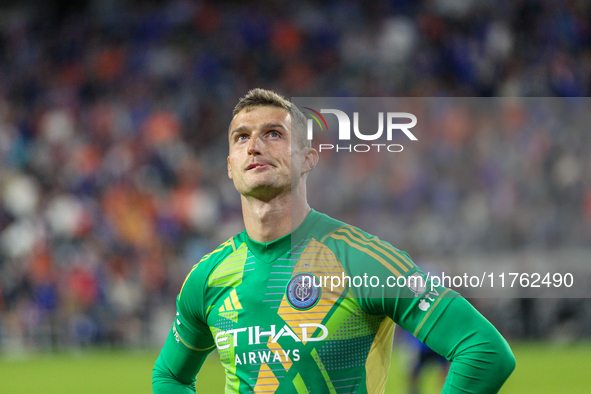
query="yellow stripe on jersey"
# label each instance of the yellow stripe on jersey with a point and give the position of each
(429, 313)
(274, 346)
(330, 234)
(235, 301)
(230, 271)
(231, 303)
(228, 304)
(384, 245)
(176, 332)
(377, 248)
(378, 359)
(186, 279)
(316, 258)
(218, 249)
(266, 382)
(369, 252)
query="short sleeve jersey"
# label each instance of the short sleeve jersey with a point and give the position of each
(312, 312)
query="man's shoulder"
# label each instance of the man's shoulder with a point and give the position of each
(324, 225)
(350, 243)
(200, 274)
(211, 260)
(219, 254)
(328, 229)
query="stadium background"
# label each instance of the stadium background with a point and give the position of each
(113, 176)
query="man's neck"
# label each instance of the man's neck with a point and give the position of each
(266, 221)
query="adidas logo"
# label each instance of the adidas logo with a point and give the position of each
(231, 307)
(231, 303)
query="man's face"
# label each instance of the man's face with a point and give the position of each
(260, 159)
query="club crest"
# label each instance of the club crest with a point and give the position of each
(301, 292)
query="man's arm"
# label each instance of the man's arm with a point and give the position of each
(481, 358)
(447, 323)
(188, 343)
(175, 368)
(439, 317)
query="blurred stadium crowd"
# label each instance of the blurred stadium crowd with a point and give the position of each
(113, 117)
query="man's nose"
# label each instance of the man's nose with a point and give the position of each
(254, 145)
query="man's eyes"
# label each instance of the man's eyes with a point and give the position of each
(272, 134)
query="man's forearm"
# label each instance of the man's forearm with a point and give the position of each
(175, 369)
(164, 382)
(481, 358)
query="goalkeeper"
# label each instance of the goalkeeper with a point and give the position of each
(260, 298)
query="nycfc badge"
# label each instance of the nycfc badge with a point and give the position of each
(301, 292)
(416, 284)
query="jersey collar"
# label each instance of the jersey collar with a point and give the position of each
(271, 251)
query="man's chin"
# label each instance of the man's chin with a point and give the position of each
(264, 192)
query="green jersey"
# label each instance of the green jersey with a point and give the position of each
(281, 321)
(312, 312)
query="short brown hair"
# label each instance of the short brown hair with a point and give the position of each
(261, 97)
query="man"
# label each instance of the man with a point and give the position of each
(261, 300)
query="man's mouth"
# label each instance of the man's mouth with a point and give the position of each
(255, 166)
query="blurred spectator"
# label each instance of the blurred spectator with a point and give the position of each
(113, 152)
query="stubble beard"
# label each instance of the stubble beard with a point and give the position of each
(266, 190)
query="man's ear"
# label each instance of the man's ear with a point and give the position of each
(310, 160)
(229, 169)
